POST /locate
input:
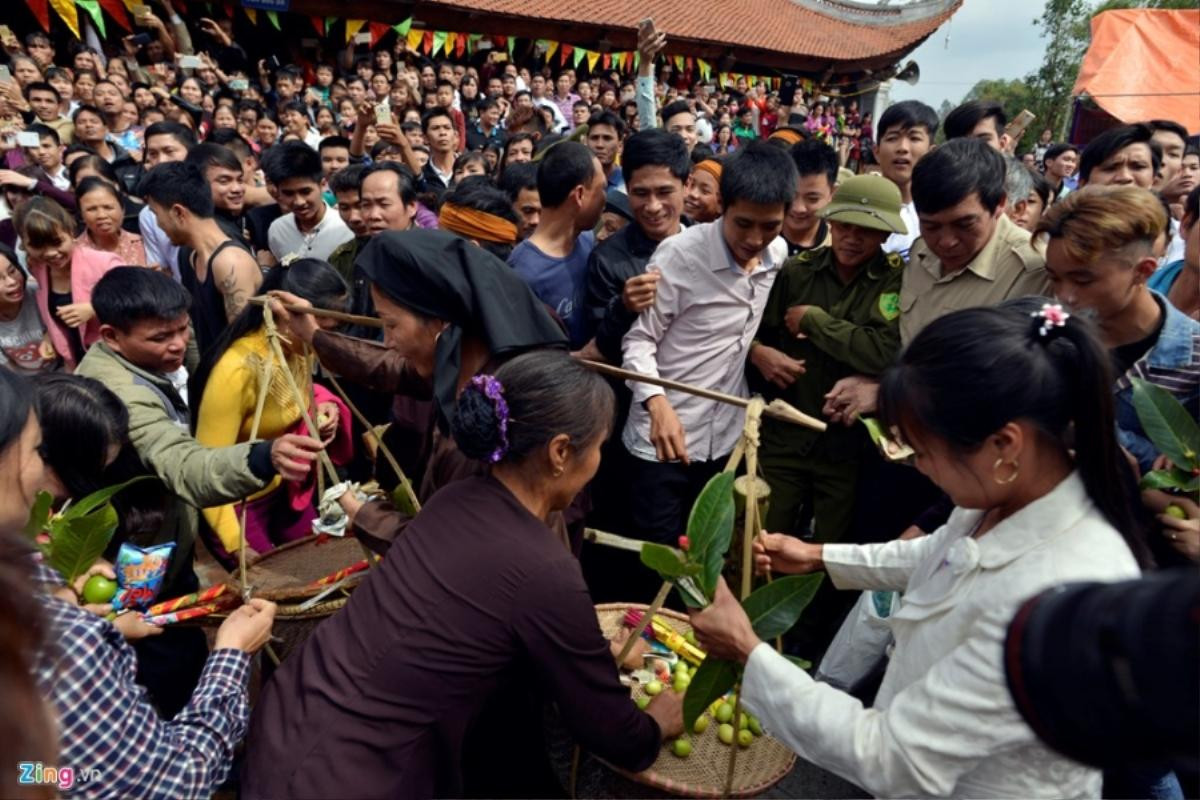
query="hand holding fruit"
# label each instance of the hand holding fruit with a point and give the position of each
(667, 710)
(1181, 525)
(327, 421)
(723, 629)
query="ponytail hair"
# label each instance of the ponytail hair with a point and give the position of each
(969, 373)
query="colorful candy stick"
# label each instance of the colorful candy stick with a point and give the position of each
(206, 596)
(184, 614)
(334, 577)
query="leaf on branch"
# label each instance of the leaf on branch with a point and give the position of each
(773, 609)
(1167, 424)
(710, 529)
(712, 680)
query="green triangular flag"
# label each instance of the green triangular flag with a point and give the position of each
(329, 24)
(92, 7)
(402, 28)
(578, 55)
(512, 42)
(273, 16)
(439, 41)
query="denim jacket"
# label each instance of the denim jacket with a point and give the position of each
(1172, 363)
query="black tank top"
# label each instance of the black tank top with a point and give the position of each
(208, 304)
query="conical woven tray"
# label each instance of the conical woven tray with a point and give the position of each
(702, 774)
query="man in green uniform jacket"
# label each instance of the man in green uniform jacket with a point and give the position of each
(144, 332)
(832, 312)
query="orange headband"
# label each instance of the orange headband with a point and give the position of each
(788, 135)
(711, 166)
(475, 224)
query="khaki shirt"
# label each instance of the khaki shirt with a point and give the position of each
(1006, 267)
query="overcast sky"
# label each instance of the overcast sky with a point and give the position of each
(987, 39)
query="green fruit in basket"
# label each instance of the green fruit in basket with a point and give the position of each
(681, 684)
(642, 702)
(725, 733)
(653, 688)
(744, 721)
(745, 738)
(690, 638)
(99, 589)
(1176, 511)
(724, 713)
(756, 726)
(701, 724)
(680, 666)
(681, 748)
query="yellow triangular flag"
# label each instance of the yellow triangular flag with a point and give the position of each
(414, 39)
(66, 10)
(353, 26)
(551, 49)
(592, 58)
(451, 38)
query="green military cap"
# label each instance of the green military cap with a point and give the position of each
(869, 201)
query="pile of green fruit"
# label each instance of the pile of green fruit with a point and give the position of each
(721, 710)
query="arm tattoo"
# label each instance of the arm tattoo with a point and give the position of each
(235, 298)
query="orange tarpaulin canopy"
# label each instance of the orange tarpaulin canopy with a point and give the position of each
(1145, 64)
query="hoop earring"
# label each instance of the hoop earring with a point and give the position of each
(1016, 470)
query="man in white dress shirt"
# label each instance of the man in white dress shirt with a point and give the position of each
(312, 229)
(710, 298)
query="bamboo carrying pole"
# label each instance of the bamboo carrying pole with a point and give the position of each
(776, 408)
(340, 316)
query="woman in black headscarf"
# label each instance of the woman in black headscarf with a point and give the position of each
(450, 310)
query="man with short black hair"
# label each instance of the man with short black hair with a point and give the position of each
(446, 96)
(982, 119)
(905, 134)
(1172, 139)
(604, 135)
(486, 131)
(91, 130)
(220, 272)
(294, 116)
(438, 126)
(804, 227)
(165, 142)
(554, 260)
(46, 104)
(1122, 156)
(519, 183)
(715, 279)
(680, 118)
(223, 172)
(335, 155)
(144, 336)
(1058, 164)
(580, 112)
(656, 167)
(311, 229)
(48, 155)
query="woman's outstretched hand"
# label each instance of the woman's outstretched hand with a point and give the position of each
(786, 555)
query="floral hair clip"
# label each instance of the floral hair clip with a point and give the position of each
(1052, 316)
(493, 390)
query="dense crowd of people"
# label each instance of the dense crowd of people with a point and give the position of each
(504, 221)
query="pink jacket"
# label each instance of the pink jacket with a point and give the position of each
(87, 266)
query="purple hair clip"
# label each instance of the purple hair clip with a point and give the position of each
(494, 390)
(1053, 316)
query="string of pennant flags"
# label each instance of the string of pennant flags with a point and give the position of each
(419, 40)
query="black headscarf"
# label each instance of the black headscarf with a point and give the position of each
(445, 277)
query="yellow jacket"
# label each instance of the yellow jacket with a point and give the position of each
(226, 412)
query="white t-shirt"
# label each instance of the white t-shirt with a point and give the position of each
(902, 242)
(287, 242)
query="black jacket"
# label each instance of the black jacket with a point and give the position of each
(615, 260)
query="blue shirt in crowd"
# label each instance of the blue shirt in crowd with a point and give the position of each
(560, 283)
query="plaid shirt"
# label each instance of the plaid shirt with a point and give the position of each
(86, 672)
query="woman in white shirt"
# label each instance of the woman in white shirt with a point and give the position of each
(1009, 411)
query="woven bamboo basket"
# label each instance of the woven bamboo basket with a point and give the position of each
(285, 576)
(702, 774)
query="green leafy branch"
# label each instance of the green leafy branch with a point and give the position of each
(695, 571)
(72, 539)
(1176, 435)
